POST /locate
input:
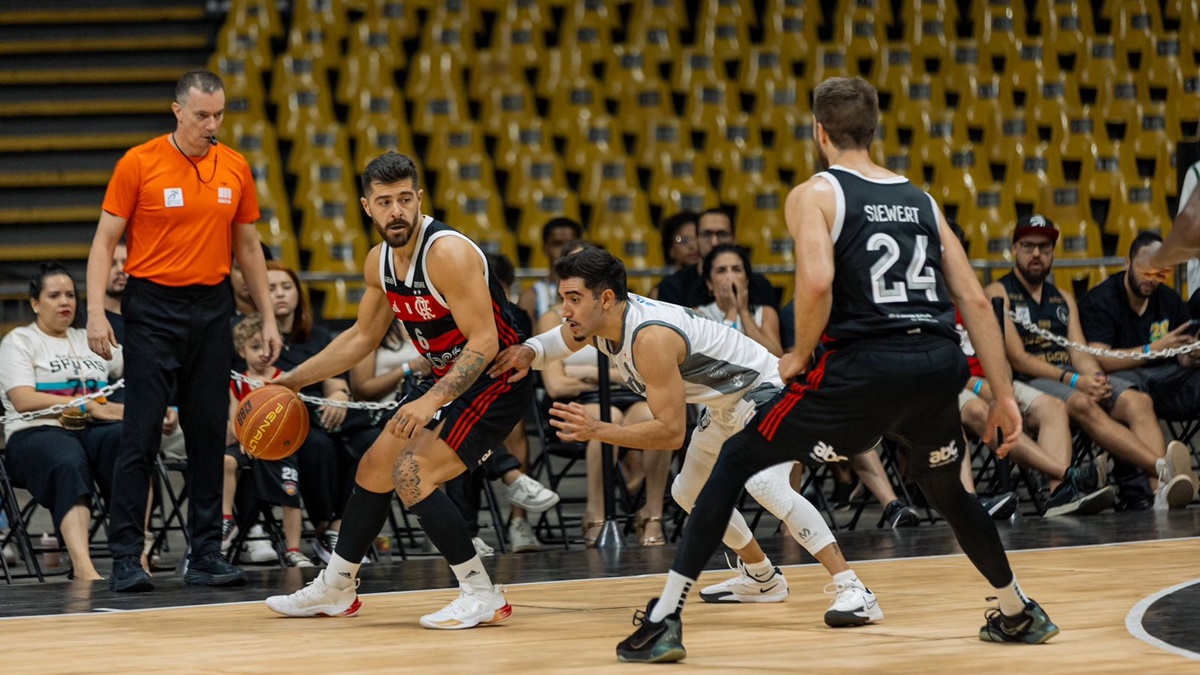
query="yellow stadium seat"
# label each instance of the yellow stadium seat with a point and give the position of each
(761, 225)
(318, 141)
(329, 15)
(326, 220)
(793, 30)
(506, 101)
(248, 41)
(466, 173)
(626, 69)
(315, 43)
(340, 298)
(929, 28)
(592, 136)
(1138, 208)
(678, 176)
(377, 140)
(537, 169)
(731, 136)
(303, 109)
(480, 216)
(967, 68)
(1029, 68)
(397, 17)
(844, 8)
(293, 73)
(518, 138)
(262, 14)
(325, 178)
(604, 174)
(989, 209)
(462, 138)
(776, 100)
(339, 251)
(660, 135)
(724, 28)
(655, 33)
(862, 32)
(896, 66)
(520, 41)
(536, 211)
(1134, 23)
(588, 30)
(830, 60)
(1102, 180)
(451, 34)
(376, 108)
(795, 149)
(694, 66)
(278, 238)
(759, 66)
(621, 223)
(998, 28)
(365, 71)
(1183, 107)
(686, 195)
(1065, 29)
(646, 99)
(241, 76)
(576, 99)
(749, 169)
(558, 68)
(1098, 65)
(1053, 99)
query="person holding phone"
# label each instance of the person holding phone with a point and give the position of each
(1133, 312)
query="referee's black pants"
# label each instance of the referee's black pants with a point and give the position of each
(177, 339)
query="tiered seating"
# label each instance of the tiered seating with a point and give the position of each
(1000, 114)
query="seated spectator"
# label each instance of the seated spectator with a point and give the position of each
(275, 482)
(679, 243)
(1132, 313)
(577, 378)
(61, 459)
(324, 462)
(727, 274)
(687, 288)
(1118, 417)
(542, 293)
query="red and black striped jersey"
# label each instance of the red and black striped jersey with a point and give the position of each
(423, 310)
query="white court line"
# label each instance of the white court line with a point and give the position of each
(1133, 621)
(104, 611)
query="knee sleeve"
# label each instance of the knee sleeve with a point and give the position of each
(737, 533)
(772, 488)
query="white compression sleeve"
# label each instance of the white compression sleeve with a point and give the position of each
(548, 347)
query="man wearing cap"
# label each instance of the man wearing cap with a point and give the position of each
(1111, 411)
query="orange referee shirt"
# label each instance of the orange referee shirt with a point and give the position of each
(179, 229)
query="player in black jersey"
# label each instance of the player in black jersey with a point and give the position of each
(878, 274)
(437, 282)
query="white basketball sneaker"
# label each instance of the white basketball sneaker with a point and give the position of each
(745, 588)
(853, 605)
(317, 599)
(473, 607)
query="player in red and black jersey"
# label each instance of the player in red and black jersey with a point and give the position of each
(437, 282)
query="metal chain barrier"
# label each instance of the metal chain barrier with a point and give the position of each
(104, 392)
(254, 384)
(1063, 342)
(316, 400)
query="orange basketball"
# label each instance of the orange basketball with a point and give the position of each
(271, 422)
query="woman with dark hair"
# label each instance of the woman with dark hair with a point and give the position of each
(60, 459)
(679, 245)
(322, 459)
(727, 273)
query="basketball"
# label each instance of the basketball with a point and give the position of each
(271, 422)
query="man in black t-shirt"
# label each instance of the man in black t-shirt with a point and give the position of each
(686, 287)
(1133, 313)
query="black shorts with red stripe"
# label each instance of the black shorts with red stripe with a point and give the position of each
(904, 388)
(478, 421)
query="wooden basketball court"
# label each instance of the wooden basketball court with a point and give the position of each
(934, 607)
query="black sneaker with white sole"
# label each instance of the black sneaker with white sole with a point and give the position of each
(211, 569)
(1001, 506)
(653, 642)
(898, 514)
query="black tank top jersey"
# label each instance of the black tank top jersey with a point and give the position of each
(423, 311)
(1051, 314)
(888, 254)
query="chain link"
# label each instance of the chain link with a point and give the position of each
(316, 400)
(1063, 342)
(104, 392)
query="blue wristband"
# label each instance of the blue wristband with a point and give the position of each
(1074, 379)
(978, 387)
(1146, 348)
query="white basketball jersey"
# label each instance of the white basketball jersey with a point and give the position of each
(720, 361)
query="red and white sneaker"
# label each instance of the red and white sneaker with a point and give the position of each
(473, 607)
(318, 599)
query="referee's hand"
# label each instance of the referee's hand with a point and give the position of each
(272, 339)
(100, 335)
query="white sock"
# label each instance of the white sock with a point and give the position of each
(341, 572)
(472, 573)
(673, 596)
(846, 578)
(761, 571)
(1012, 600)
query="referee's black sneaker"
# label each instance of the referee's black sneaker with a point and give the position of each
(211, 569)
(653, 642)
(128, 576)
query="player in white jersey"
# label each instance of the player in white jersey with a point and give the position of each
(675, 356)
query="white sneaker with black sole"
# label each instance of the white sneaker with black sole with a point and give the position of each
(853, 605)
(746, 588)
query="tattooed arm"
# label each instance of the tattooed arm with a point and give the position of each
(456, 270)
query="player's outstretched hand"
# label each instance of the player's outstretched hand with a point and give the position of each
(572, 422)
(791, 367)
(517, 358)
(1004, 417)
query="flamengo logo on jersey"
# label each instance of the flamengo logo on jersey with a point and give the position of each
(944, 456)
(822, 452)
(395, 307)
(423, 308)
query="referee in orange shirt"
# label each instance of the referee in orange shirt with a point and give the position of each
(186, 206)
